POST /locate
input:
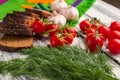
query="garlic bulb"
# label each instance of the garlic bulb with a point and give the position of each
(70, 13)
(57, 19)
(57, 5)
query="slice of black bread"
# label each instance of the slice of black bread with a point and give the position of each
(24, 21)
(19, 19)
(15, 29)
(14, 26)
(15, 43)
(30, 14)
(24, 32)
(41, 13)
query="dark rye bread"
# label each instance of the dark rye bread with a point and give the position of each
(41, 13)
(30, 14)
(19, 19)
(23, 32)
(15, 43)
(15, 29)
(14, 26)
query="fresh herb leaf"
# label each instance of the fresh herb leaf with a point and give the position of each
(67, 63)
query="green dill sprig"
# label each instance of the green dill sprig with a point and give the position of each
(67, 63)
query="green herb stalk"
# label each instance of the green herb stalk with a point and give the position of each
(67, 63)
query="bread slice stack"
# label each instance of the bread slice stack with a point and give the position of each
(17, 30)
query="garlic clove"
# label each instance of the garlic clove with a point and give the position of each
(57, 19)
(61, 20)
(57, 5)
(50, 18)
(70, 13)
(55, 13)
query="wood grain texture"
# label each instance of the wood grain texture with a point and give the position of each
(102, 10)
(116, 3)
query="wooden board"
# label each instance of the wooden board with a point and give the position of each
(104, 11)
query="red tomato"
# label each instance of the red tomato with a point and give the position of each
(38, 27)
(94, 42)
(53, 33)
(114, 46)
(115, 26)
(104, 31)
(70, 30)
(53, 29)
(95, 25)
(56, 41)
(84, 25)
(68, 38)
(114, 35)
(90, 31)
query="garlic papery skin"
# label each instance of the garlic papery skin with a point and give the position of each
(70, 13)
(57, 19)
(57, 5)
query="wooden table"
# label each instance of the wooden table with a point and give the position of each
(102, 10)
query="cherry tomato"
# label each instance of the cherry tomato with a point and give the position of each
(114, 35)
(114, 46)
(95, 25)
(94, 42)
(53, 29)
(90, 31)
(104, 30)
(68, 38)
(84, 25)
(53, 33)
(70, 30)
(38, 27)
(57, 41)
(115, 26)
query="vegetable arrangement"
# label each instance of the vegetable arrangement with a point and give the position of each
(97, 34)
(58, 31)
(66, 63)
(59, 36)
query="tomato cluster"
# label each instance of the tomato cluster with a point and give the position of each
(58, 36)
(97, 34)
(114, 38)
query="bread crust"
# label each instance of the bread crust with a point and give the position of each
(41, 13)
(30, 14)
(6, 43)
(24, 32)
(13, 49)
(19, 19)
(14, 26)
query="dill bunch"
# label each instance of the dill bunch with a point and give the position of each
(67, 63)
